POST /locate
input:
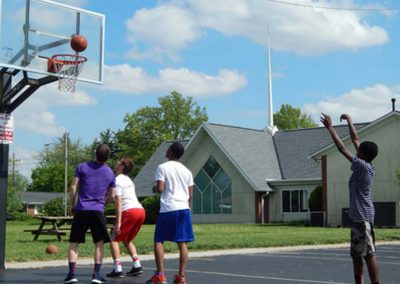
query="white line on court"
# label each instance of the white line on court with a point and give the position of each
(301, 256)
(380, 256)
(264, 277)
(326, 258)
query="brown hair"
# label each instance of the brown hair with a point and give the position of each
(128, 165)
(103, 153)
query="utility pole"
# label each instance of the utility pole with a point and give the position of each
(14, 161)
(65, 174)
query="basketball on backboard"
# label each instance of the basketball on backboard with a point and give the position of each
(78, 43)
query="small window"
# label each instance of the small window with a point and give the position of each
(294, 201)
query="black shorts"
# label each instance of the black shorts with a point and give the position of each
(93, 220)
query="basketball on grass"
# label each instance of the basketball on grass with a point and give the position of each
(52, 249)
(78, 43)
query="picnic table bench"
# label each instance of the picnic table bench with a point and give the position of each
(59, 226)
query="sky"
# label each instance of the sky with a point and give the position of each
(336, 56)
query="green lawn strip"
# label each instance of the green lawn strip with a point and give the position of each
(20, 246)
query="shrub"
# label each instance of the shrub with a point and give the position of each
(15, 208)
(54, 207)
(315, 200)
(110, 209)
(152, 206)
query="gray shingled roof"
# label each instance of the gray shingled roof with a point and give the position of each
(144, 181)
(251, 151)
(39, 197)
(294, 147)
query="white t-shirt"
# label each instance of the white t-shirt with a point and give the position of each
(177, 179)
(126, 189)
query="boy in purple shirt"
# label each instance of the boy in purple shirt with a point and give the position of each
(96, 180)
(361, 209)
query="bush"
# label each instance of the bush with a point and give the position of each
(152, 206)
(15, 208)
(110, 209)
(315, 200)
(54, 207)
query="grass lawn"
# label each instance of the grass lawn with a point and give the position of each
(21, 247)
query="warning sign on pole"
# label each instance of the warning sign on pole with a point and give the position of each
(6, 128)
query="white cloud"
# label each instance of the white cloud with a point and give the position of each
(134, 80)
(168, 28)
(165, 28)
(35, 115)
(363, 105)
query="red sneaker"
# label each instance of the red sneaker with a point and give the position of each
(157, 279)
(179, 279)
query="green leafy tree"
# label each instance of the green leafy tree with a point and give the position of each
(49, 178)
(151, 205)
(17, 183)
(398, 176)
(289, 117)
(176, 118)
(108, 137)
(54, 207)
(49, 175)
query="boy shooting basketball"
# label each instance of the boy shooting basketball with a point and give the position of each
(361, 209)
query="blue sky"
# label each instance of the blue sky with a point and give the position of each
(337, 56)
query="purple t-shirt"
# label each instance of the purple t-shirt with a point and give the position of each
(94, 181)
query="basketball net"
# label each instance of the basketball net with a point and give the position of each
(67, 67)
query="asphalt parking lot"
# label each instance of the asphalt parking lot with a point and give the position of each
(327, 264)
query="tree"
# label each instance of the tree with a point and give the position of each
(289, 117)
(315, 200)
(17, 183)
(54, 207)
(176, 118)
(108, 137)
(49, 175)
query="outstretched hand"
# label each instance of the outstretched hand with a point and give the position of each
(345, 117)
(326, 120)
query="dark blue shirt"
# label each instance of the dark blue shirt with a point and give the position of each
(360, 186)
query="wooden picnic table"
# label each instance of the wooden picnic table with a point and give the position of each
(59, 225)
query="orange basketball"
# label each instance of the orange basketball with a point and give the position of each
(78, 43)
(52, 249)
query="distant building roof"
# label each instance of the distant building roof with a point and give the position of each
(251, 151)
(294, 147)
(29, 197)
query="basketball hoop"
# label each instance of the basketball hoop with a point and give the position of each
(68, 67)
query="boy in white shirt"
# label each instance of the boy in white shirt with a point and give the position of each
(174, 223)
(130, 217)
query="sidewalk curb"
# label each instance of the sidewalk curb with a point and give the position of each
(194, 254)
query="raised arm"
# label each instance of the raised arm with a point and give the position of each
(327, 122)
(353, 132)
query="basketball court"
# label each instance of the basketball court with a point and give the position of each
(328, 264)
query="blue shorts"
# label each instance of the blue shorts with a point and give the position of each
(174, 226)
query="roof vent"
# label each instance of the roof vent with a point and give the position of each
(393, 104)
